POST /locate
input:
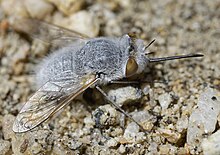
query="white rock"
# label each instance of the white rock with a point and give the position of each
(112, 27)
(121, 149)
(211, 145)
(105, 115)
(146, 89)
(7, 123)
(167, 149)
(74, 144)
(170, 135)
(14, 8)
(125, 3)
(34, 142)
(204, 117)
(165, 100)
(88, 121)
(164, 149)
(153, 148)
(84, 22)
(68, 6)
(38, 9)
(112, 142)
(4, 147)
(133, 135)
(124, 95)
(182, 123)
(219, 120)
(144, 118)
(141, 116)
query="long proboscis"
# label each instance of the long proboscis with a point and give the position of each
(175, 57)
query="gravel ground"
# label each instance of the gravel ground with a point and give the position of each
(181, 116)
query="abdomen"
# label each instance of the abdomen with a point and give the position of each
(58, 66)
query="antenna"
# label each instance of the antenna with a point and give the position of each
(175, 57)
(149, 44)
(170, 57)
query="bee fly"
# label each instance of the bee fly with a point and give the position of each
(78, 63)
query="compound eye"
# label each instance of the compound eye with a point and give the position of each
(131, 67)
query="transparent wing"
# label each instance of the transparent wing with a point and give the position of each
(49, 99)
(49, 33)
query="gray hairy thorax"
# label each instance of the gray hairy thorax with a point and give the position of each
(99, 55)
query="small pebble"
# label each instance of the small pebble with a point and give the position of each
(204, 117)
(183, 150)
(105, 116)
(170, 135)
(38, 9)
(68, 7)
(182, 123)
(85, 23)
(165, 100)
(19, 9)
(88, 121)
(143, 117)
(163, 149)
(121, 149)
(7, 123)
(112, 142)
(5, 147)
(123, 95)
(132, 133)
(211, 145)
(74, 145)
(153, 148)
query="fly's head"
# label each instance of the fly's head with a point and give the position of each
(136, 59)
(135, 56)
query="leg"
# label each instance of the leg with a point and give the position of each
(124, 82)
(138, 82)
(119, 108)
